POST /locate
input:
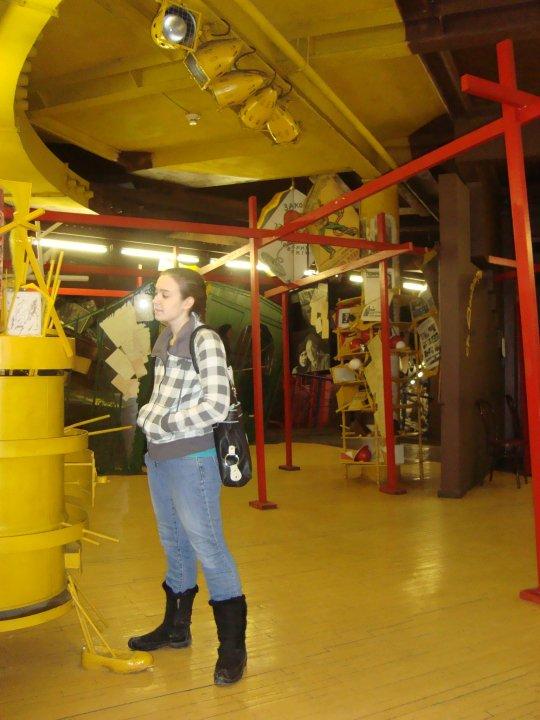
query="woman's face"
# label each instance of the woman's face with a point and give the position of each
(302, 358)
(169, 305)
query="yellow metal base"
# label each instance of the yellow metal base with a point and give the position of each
(35, 619)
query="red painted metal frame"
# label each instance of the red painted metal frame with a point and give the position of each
(287, 409)
(262, 502)
(391, 485)
(94, 292)
(526, 283)
(509, 126)
(179, 226)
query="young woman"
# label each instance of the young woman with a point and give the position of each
(184, 477)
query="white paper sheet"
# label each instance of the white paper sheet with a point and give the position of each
(26, 314)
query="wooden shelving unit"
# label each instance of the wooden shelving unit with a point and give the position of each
(355, 397)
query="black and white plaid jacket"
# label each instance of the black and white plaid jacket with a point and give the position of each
(185, 403)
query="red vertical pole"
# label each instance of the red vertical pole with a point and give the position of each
(287, 410)
(262, 503)
(525, 282)
(391, 485)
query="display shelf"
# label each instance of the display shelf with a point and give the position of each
(406, 413)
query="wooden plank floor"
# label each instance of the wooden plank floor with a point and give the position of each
(361, 605)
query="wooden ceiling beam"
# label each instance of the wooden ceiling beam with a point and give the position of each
(442, 26)
(167, 201)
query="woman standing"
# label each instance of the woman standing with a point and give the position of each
(184, 477)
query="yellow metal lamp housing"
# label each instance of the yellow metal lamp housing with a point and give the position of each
(235, 87)
(282, 126)
(212, 60)
(175, 26)
(257, 110)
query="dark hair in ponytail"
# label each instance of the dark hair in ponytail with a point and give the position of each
(191, 284)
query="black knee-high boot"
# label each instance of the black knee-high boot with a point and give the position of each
(174, 631)
(230, 616)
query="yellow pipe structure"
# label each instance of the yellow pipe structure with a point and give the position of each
(33, 444)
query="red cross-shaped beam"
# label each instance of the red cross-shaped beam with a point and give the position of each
(516, 105)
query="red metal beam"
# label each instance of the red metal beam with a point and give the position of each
(156, 224)
(495, 91)
(400, 174)
(525, 281)
(94, 292)
(267, 236)
(262, 502)
(353, 265)
(391, 485)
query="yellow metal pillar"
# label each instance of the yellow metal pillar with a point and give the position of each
(34, 523)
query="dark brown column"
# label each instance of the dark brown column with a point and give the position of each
(465, 379)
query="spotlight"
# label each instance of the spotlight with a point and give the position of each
(175, 26)
(235, 87)
(212, 60)
(258, 109)
(282, 126)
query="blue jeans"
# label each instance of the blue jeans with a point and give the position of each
(186, 498)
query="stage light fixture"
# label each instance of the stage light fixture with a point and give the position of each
(282, 127)
(176, 26)
(212, 59)
(234, 88)
(257, 110)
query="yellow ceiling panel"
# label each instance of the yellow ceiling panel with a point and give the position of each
(87, 33)
(98, 81)
(393, 97)
(310, 18)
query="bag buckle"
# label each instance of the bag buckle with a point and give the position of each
(232, 461)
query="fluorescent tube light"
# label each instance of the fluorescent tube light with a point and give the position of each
(356, 278)
(74, 246)
(411, 285)
(245, 265)
(158, 255)
(188, 259)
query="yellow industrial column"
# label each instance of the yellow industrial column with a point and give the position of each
(34, 526)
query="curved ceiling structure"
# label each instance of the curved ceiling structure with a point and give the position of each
(95, 79)
(23, 155)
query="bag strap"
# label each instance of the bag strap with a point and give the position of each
(234, 398)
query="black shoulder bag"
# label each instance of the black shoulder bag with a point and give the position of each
(232, 446)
